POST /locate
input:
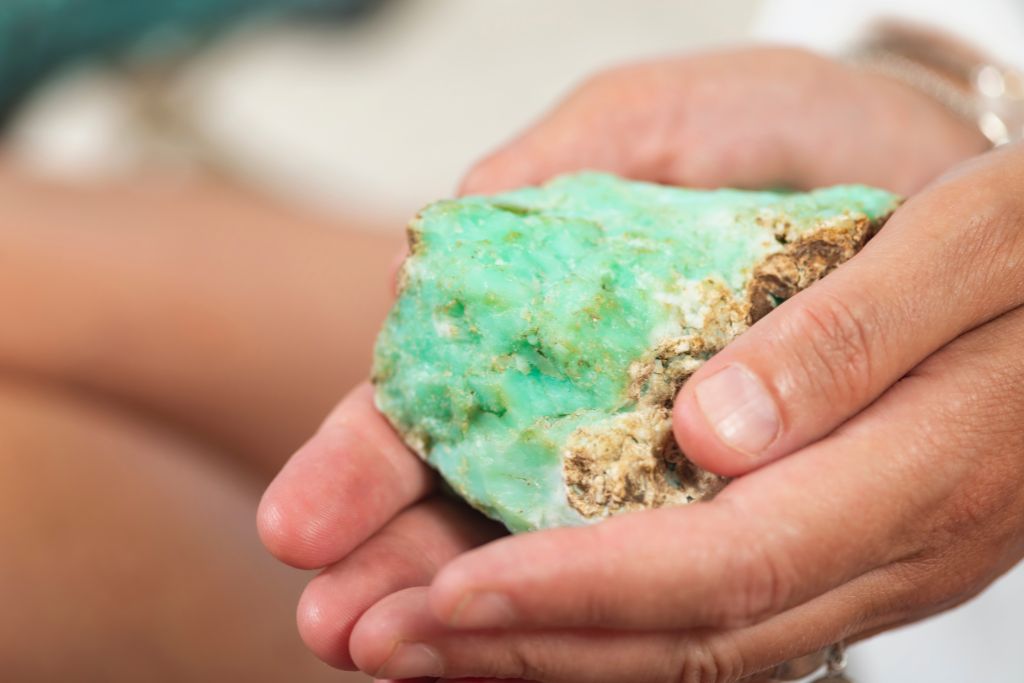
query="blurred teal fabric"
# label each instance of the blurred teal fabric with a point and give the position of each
(38, 36)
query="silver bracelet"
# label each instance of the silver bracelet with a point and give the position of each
(980, 92)
(832, 658)
(1000, 96)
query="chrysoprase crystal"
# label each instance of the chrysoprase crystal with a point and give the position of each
(540, 335)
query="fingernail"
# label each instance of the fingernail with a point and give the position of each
(483, 610)
(410, 660)
(739, 408)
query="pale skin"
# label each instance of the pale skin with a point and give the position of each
(167, 344)
(882, 481)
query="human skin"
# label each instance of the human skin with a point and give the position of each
(167, 343)
(892, 486)
(203, 283)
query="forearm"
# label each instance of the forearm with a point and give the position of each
(240, 319)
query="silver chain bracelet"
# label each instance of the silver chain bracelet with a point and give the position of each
(832, 658)
(982, 93)
(1000, 94)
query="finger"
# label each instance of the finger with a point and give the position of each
(873, 492)
(400, 636)
(407, 552)
(899, 593)
(342, 486)
(938, 269)
(663, 122)
(640, 121)
(769, 541)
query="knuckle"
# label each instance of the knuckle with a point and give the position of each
(975, 516)
(836, 349)
(983, 229)
(762, 586)
(990, 205)
(526, 662)
(701, 662)
(971, 512)
(767, 587)
(593, 608)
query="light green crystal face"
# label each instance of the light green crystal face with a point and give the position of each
(540, 334)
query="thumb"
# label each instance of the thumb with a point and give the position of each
(936, 270)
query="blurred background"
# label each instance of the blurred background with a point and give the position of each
(337, 118)
(380, 111)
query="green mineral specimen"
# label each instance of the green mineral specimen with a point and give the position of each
(540, 335)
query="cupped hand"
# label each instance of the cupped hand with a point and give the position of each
(761, 117)
(912, 505)
(355, 502)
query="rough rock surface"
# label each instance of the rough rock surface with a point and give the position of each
(540, 335)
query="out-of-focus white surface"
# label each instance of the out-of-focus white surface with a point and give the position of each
(389, 114)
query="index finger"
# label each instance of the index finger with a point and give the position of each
(344, 484)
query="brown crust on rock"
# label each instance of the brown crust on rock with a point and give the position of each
(631, 461)
(804, 262)
(414, 237)
(656, 377)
